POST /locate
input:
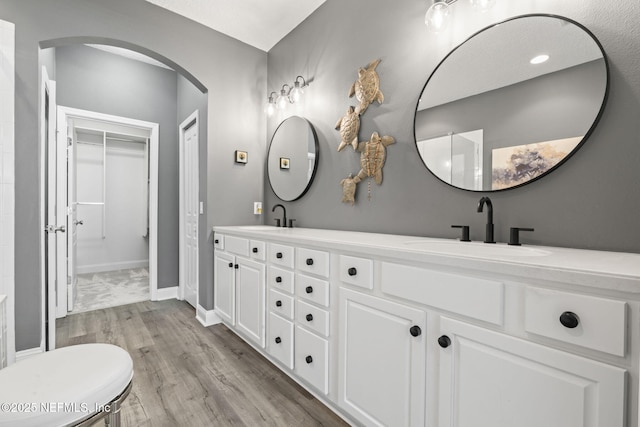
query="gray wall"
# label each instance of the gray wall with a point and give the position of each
(226, 68)
(559, 105)
(592, 201)
(189, 100)
(94, 80)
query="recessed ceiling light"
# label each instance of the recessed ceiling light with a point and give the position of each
(539, 59)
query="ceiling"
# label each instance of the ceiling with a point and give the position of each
(259, 23)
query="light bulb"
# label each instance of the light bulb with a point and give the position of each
(436, 16)
(482, 5)
(270, 109)
(539, 59)
(296, 92)
(282, 101)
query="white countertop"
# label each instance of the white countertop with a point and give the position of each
(601, 269)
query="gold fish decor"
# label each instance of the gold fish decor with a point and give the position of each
(349, 126)
(367, 87)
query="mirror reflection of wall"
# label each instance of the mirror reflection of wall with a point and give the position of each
(292, 158)
(533, 116)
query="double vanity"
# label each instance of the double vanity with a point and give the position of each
(409, 331)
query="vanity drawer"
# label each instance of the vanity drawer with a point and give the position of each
(312, 261)
(356, 271)
(312, 359)
(592, 322)
(468, 296)
(236, 245)
(281, 339)
(281, 304)
(281, 255)
(312, 317)
(280, 279)
(312, 289)
(258, 250)
(218, 241)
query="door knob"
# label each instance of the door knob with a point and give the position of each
(80, 222)
(53, 229)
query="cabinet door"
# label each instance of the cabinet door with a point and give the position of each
(491, 379)
(250, 284)
(382, 361)
(224, 287)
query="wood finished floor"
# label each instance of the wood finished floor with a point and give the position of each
(188, 375)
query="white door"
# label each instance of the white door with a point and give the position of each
(491, 379)
(189, 209)
(60, 200)
(72, 217)
(224, 286)
(250, 284)
(382, 361)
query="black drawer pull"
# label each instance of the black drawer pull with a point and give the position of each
(236, 266)
(569, 319)
(231, 264)
(309, 261)
(279, 255)
(278, 340)
(308, 359)
(254, 250)
(444, 341)
(278, 303)
(309, 317)
(278, 279)
(308, 289)
(415, 331)
(352, 271)
(216, 241)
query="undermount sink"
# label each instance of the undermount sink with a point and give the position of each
(456, 247)
(260, 227)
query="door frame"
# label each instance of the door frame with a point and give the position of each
(186, 124)
(63, 113)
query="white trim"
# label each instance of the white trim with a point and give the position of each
(25, 354)
(125, 265)
(165, 293)
(207, 317)
(181, 263)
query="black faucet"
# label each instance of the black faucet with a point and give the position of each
(284, 215)
(485, 200)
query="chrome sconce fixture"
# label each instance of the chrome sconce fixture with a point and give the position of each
(288, 95)
(437, 16)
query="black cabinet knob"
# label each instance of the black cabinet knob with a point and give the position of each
(308, 289)
(569, 319)
(278, 279)
(308, 359)
(278, 340)
(236, 266)
(309, 317)
(352, 271)
(415, 331)
(216, 241)
(444, 341)
(278, 303)
(231, 265)
(279, 255)
(309, 261)
(254, 250)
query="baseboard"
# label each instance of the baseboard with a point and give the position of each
(124, 265)
(25, 354)
(166, 293)
(207, 317)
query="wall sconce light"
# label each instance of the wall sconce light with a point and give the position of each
(297, 92)
(437, 16)
(287, 96)
(271, 105)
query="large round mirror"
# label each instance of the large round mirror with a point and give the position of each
(511, 103)
(293, 158)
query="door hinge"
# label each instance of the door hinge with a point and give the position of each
(68, 280)
(69, 141)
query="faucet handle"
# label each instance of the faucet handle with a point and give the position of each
(277, 222)
(291, 222)
(514, 235)
(465, 232)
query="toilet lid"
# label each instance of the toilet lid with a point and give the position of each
(64, 385)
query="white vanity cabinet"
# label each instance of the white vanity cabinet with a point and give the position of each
(239, 291)
(406, 331)
(382, 360)
(491, 379)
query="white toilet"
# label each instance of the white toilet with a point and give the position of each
(70, 386)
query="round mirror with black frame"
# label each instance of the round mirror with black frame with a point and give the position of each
(293, 158)
(511, 103)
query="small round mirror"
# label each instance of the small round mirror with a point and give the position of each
(512, 103)
(293, 158)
